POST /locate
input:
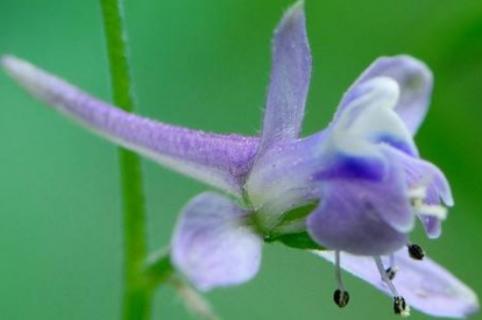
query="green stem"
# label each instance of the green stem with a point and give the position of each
(137, 293)
(158, 268)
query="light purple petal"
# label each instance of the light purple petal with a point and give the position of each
(415, 81)
(418, 173)
(292, 173)
(365, 205)
(432, 226)
(290, 77)
(362, 216)
(213, 246)
(219, 160)
(425, 285)
(283, 178)
(370, 119)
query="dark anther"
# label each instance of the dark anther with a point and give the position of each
(341, 298)
(391, 273)
(416, 252)
(400, 307)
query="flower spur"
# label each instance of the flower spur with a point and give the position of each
(355, 187)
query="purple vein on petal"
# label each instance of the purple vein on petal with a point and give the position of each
(218, 160)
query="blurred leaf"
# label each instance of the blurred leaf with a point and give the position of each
(300, 240)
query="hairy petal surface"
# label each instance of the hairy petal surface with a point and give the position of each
(212, 244)
(425, 285)
(290, 77)
(414, 79)
(219, 160)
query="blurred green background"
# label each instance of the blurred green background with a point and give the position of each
(205, 64)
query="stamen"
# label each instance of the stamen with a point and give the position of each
(399, 305)
(391, 272)
(417, 196)
(392, 269)
(433, 210)
(340, 296)
(392, 260)
(415, 251)
(381, 269)
(417, 193)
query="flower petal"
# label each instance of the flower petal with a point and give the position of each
(213, 246)
(432, 226)
(425, 285)
(283, 179)
(219, 160)
(421, 173)
(414, 79)
(290, 77)
(362, 216)
(291, 173)
(370, 119)
(364, 205)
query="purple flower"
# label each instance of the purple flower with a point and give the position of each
(355, 188)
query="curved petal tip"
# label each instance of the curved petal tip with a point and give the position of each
(415, 80)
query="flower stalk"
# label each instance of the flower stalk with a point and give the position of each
(137, 293)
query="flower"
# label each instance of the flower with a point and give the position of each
(355, 188)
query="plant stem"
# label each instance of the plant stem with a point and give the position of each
(137, 293)
(158, 268)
